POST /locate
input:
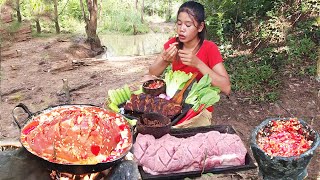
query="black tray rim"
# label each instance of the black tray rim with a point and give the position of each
(249, 164)
(174, 120)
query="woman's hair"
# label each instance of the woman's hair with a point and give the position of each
(195, 10)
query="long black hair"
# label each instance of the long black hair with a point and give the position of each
(195, 10)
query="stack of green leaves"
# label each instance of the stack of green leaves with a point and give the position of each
(203, 92)
(201, 96)
(175, 80)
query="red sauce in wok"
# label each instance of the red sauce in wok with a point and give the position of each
(77, 135)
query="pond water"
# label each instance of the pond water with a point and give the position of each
(133, 45)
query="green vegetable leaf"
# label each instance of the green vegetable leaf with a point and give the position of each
(132, 122)
(203, 93)
(114, 107)
(127, 90)
(114, 97)
(139, 91)
(210, 98)
(175, 81)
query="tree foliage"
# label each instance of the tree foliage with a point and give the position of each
(261, 40)
(281, 38)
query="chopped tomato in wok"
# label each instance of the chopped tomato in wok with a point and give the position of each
(77, 135)
(284, 138)
(30, 127)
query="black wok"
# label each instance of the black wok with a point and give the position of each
(68, 168)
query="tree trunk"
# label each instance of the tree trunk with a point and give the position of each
(100, 9)
(38, 26)
(136, 4)
(56, 17)
(18, 11)
(168, 16)
(83, 12)
(153, 9)
(318, 67)
(142, 11)
(91, 25)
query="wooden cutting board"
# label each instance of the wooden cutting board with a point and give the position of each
(178, 98)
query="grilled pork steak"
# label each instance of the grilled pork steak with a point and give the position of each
(170, 154)
(144, 103)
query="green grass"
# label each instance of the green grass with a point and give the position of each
(13, 27)
(42, 35)
(254, 75)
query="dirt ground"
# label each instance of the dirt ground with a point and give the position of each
(34, 78)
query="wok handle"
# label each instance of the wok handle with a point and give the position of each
(26, 110)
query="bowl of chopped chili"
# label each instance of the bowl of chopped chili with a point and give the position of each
(283, 147)
(154, 87)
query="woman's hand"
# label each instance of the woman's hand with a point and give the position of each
(188, 58)
(163, 60)
(148, 77)
(169, 54)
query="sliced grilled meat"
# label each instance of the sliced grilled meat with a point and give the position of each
(144, 103)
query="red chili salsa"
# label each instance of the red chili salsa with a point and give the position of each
(155, 84)
(284, 138)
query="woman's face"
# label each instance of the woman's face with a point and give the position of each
(187, 27)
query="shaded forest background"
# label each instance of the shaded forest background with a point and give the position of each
(270, 49)
(262, 41)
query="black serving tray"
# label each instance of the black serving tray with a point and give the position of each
(174, 120)
(187, 132)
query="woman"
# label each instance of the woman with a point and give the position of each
(190, 52)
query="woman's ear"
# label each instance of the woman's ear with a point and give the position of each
(200, 28)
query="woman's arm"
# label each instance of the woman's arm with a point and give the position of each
(163, 60)
(219, 76)
(218, 73)
(158, 66)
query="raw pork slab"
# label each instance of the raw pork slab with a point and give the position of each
(202, 151)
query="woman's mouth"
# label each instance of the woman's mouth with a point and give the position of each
(182, 37)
